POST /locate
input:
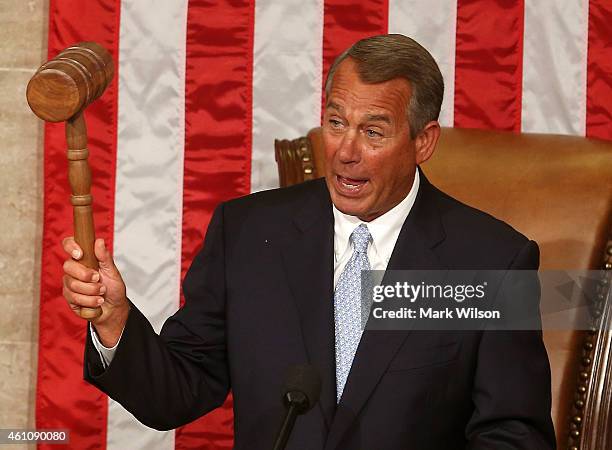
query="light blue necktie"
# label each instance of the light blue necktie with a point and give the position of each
(347, 306)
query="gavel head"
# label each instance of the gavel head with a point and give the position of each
(65, 85)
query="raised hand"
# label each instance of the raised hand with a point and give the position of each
(85, 287)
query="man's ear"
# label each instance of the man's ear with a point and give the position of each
(425, 142)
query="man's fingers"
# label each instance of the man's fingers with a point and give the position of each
(87, 301)
(72, 248)
(103, 256)
(80, 272)
(80, 287)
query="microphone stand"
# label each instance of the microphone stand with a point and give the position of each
(296, 402)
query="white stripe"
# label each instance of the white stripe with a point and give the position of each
(287, 65)
(149, 184)
(554, 67)
(433, 25)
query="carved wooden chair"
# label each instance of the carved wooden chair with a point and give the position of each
(558, 191)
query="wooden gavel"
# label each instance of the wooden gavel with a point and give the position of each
(60, 91)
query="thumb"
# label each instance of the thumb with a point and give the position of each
(103, 256)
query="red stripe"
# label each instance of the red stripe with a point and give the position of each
(599, 71)
(218, 132)
(63, 399)
(489, 64)
(347, 21)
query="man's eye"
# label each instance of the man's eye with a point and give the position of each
(373, 134)
(335, 123)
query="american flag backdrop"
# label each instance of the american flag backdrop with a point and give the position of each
(202, 89)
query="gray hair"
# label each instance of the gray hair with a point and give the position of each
(389, 56)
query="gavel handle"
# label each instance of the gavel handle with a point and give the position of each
(79, 176)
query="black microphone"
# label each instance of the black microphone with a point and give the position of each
(300, 393)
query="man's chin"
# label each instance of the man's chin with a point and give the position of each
(350, 207)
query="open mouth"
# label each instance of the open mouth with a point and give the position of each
(350, 185)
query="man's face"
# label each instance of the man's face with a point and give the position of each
(369, 154)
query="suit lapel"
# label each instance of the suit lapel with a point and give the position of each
(421, 232)
(308, 261)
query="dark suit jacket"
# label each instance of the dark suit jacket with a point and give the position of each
(259, 298)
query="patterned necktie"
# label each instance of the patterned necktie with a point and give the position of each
(347, 306)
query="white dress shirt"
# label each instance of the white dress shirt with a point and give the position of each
(384, 230)
(106, 353)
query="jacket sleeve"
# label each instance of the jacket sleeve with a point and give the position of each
(512, 391)
(171, 379)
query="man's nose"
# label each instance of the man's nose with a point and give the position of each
(350, 149)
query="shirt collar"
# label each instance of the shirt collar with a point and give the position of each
(384, 229)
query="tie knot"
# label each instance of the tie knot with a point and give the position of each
(361, 237)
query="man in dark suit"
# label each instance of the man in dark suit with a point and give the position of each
(275, 286)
